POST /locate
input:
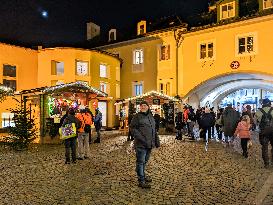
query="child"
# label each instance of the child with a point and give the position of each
(242, 131)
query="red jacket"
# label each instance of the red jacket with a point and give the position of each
(242, 130)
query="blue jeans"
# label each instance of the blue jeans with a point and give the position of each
(142, 157)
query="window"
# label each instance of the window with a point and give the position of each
(246, 44)
(165, 88)
(9, 70)
(165, 52)
(57, 68)
(267, 4)
(141, 29)
(117, 91)
(206, 50)
(137, 88)
(9, 76)
(161, 88)
(82, 68)
(7, 119)
(168, 88)
(103, 71)
(117, 74)
(10, 83)
(227, 10)
(57, 82)
(138, 56)
(104, 87)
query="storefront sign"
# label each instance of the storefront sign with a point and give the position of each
(156, 101)
(235, 64)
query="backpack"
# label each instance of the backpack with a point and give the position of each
(266, 124)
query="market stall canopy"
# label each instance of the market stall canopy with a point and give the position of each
(149, 94)
(75, 87)
(4, 92)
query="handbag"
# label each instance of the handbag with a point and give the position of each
(68, 131)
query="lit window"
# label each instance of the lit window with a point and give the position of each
(246, 44)
(57, 68)
(228, 10)
(206, 50)
(7, 119)
(138, 56)
(103, 71)
(103, 87)
(268, 4)
(141, 29)
(138, 88)
(165, 52)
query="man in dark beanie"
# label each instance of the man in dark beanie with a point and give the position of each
(264, 117)
(145, 138)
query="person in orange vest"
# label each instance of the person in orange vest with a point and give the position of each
(83, 133)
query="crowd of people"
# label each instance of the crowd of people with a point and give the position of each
(82, 121)
(144, 127)
(228, 123)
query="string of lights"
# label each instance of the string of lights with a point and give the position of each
(150, 93)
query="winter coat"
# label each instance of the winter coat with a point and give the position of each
(242, 130)
(206, 120)
(179, 121)
(85, 119)
(143, 130)
(157, 121)
(97, 121)
(230, 120)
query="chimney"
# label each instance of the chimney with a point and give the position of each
(112, 35)
(141, 27)
(93, 30)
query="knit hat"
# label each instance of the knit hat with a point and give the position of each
(144, 102)
(266, 101)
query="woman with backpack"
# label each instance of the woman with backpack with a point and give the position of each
(243, 132)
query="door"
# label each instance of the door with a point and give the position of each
(103, 109)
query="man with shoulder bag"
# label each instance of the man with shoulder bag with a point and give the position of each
(264, 117)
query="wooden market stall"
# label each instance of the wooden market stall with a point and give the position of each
(49, 104)
(159, 103)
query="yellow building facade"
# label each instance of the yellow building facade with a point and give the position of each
(24, 69)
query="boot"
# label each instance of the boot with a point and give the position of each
(144, 185)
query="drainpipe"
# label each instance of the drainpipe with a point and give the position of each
(178, 37)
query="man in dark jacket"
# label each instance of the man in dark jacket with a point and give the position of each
(145, 138)
(230, 120)
(265, 135)
(98, 124)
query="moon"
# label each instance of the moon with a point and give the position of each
(44, 14)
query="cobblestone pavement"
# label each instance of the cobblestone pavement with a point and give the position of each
(182, 173)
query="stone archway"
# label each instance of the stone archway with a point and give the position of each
(213, 90)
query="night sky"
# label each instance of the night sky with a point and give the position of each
(61, 22)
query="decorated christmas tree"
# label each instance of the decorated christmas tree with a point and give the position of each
(24, 131)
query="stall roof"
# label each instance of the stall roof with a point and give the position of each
(75, 87)
(150, 93)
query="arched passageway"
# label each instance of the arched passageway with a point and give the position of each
(213, 91)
